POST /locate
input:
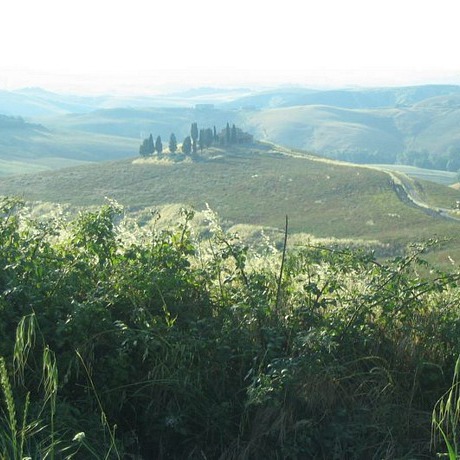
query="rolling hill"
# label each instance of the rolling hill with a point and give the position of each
(255, 187)
(348, 98)
(359, 135)
(410, 125)
(30, 147)
(424, 134)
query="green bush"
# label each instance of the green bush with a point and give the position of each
(162, 345)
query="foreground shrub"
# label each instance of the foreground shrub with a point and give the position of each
(166, 346)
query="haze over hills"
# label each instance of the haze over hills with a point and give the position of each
(406, 125)
(413, 125)
(37, 102)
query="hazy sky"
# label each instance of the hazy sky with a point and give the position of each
(99, 45)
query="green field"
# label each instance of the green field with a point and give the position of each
(253, 186)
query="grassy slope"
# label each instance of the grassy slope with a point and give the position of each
(376, 134)
(252, 187)
(330, 130)
(32, 150)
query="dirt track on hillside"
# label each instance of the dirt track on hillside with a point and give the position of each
(401, 183)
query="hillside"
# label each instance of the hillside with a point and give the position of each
(409, 125)
(359, 135)
(423, 134)
(136, 123)
(257, 187)
(31, 147)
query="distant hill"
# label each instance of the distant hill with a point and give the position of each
(360, 135)
(30, 147)
(137, 123)
(404, 125)
(36, 102)
(423, 134)
(9, 125)
(352, 98)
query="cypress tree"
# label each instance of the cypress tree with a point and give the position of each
(201, 140)
(187, 145)
(150, 146)
(233, 135)
(208, 137)
(158, 145)
(144, 148)
(227, 133)
(172, 143)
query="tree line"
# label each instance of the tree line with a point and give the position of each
(198, 139)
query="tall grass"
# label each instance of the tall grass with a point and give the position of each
(34, 434)
(29, 436)
(446, 417)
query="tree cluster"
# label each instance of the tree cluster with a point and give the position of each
(449, 160)
(201, 139)
(148, 147)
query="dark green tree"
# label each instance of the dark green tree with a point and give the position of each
(151, 146)
(208, 137)
(144, 148)
(233, 135)
(158, 145)
(187, 145)
(194, 135)
(215, 137)
(172, 143)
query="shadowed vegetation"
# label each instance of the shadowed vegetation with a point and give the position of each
(141, 343)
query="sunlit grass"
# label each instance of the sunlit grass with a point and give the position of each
(254, 187)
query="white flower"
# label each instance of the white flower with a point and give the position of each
(79, 437)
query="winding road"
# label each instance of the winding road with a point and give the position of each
(402, 184)
(404, 188)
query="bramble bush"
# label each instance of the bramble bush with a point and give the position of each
(120, 341)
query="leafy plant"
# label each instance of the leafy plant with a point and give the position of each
(446, 416)
(121, 340)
